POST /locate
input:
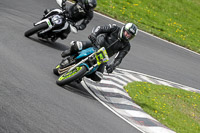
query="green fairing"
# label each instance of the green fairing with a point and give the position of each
(69, 74)
(101, 56)
(58, 66)
(49, 23)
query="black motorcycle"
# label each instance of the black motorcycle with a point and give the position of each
(53, 24)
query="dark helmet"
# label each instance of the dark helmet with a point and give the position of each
(128, 31)
(90, 4)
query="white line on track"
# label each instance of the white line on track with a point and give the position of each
(113, 83)
(85, 86)
(111, 90)
(147, 79)
(115, 79)
(131, 71)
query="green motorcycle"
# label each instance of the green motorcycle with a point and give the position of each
(75, 67)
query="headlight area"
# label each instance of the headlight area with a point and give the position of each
(56, 19)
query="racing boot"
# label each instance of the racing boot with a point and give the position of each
(76, 46)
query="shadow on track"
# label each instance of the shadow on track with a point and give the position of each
(73, 87)
(78, 89)
(55, 45)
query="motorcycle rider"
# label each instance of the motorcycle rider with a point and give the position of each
(80, 10)
(113, 38)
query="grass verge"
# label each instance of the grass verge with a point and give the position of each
(176, 108)
(173, 20)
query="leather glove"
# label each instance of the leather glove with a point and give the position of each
(92, 38)
(110, 68)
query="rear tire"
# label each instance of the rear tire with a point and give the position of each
(70, 76)
(35, 29)
(55, 70)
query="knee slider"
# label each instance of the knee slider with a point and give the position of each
(76, 45)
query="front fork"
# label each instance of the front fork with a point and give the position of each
(47, 20)
(48, 23)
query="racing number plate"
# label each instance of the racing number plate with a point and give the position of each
(102, 56)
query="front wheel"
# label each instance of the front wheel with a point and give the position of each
(75, 74)
(35, 29)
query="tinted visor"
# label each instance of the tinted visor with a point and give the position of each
(128, 35)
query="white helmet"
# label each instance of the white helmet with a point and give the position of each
(128, 31)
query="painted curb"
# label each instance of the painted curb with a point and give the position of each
(111, 94)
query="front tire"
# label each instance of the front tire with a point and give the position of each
(35, 29)
(75, 74)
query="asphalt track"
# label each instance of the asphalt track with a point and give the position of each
(30, 101)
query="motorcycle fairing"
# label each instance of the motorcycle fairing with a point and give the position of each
(85, 52)
(101, 56)
(53, 12)
(65, 27)
(45, 21)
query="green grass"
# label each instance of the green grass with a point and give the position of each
(174, 20)
(176, 108)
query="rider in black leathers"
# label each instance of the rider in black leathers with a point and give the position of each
(113, 38)
(80, 10)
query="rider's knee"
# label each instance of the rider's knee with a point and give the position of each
(76, 46)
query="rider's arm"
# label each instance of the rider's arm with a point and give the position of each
(85, 21)
(69, 9)
(104, 29)
(121, 54)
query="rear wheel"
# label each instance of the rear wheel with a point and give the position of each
(55, 70)
(75, 74)
(35, 29)
(64, 66)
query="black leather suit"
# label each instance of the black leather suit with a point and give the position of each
(108, 37)
(78, 12)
